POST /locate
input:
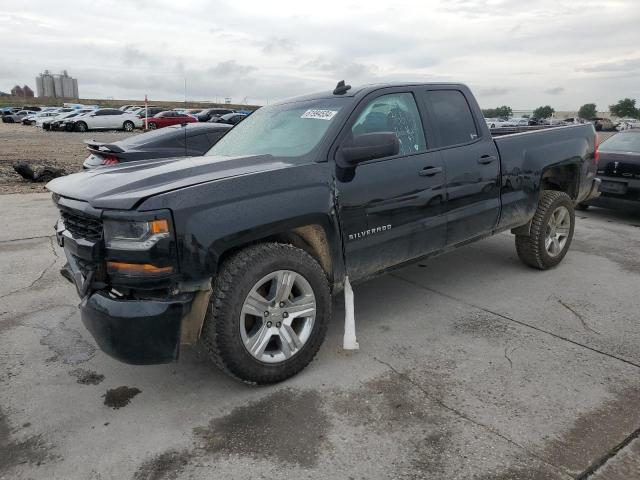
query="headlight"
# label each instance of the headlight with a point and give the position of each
(134, 235)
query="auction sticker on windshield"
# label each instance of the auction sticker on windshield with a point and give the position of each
(319, 114)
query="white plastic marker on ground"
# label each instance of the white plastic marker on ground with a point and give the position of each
(349, 342)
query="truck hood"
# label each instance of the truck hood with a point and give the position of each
(124, 186)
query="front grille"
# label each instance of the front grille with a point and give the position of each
(82, 227)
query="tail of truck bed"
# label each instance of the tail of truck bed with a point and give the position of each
(562, 158)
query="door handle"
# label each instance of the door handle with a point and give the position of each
(430, 171)
(487, 159)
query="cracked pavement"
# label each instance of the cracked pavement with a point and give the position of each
(470, 366)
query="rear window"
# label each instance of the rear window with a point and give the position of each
(199, 142)
(622, 142)
(451, 112)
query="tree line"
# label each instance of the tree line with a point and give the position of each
(625, 108)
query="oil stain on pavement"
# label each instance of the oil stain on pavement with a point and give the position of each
(86, 377)
(270, 428)
(120, 397)
(30, 449)
(166, 465)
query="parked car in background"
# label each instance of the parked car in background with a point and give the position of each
(508, 123)
(520, 122)
(167, 118)
(150, 111)
(67, 122)
(16, 117)
(496, 122)
(107, 119)
(603, 124)
(627, 124)
(230, 118)
(191, 140)
(619, 171)
(206, 114)
(32, 119)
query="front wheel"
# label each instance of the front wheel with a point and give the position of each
(551, 231)
(152, 126)
(81, 127)
(128, 126)
(268, 313)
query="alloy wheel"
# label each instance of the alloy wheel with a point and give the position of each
(557, 231)
(277, 316)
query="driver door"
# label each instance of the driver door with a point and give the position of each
(391, 209)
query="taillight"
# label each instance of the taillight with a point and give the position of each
(596, 153)
(110, 160)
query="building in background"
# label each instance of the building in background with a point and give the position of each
(56, 85)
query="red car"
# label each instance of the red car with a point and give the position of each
(164, 119)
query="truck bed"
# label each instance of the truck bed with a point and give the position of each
(525, 156)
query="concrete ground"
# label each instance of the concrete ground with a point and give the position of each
(471, 366)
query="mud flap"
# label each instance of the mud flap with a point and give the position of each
(349, 341)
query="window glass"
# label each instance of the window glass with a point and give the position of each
(215, 136)
(397, 113)
(287, 130)
(199, 142)
(453, 117)
(622, 142)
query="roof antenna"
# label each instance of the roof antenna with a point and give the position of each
(341, 88)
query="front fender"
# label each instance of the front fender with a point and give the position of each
(213, 218)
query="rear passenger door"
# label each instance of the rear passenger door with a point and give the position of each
(112, 119)
(471, 162)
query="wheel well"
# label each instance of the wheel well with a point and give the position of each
(310, 238)
(563, 178)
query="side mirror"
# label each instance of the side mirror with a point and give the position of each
(369, 146)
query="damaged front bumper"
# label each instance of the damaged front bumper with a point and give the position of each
(139, 332)
(143, 327)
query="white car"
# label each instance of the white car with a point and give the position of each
(521, 122)
(108, 119)
(60, 122)
(33, 119)
(628, 124)
(56, 114)
(494, 122)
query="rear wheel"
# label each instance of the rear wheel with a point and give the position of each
(81, 127)
(269, 313)
(551, 231)
(128, 126)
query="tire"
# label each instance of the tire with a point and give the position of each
(81, 127)
(128, 126)
(152, 125)
(533, 249)
(224, 334)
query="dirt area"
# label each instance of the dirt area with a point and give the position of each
(42, 148)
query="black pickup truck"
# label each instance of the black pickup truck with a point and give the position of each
(241, 250)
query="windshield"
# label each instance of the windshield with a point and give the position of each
(286, 130)
(622, 142)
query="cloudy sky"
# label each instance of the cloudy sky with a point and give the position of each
(515, 52)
